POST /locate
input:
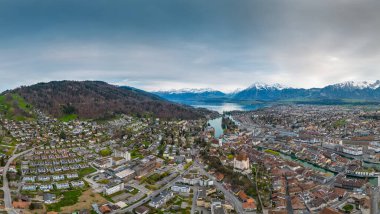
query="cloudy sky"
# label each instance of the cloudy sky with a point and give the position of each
(168, 44)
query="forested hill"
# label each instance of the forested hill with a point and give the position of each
(98, 100)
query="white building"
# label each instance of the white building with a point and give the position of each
(180, 188)
(161, 199)
(113, 188)
(122, 153)
(125, 174)
(241, 162)
(353, 150)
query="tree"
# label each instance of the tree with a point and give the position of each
(62, 135)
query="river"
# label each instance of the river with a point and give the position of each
(373, 181)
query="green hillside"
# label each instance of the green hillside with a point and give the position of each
(14, 107)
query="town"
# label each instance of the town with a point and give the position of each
(280, 159)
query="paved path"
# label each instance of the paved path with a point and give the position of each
(194, 202)
(7, 192)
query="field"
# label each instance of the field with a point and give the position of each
(69, 198)
(86, 171)
(68, 117)
(272, 152)
(14, 107)
(84, 202)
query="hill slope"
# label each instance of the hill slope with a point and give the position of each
(97, 100)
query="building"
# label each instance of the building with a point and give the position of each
(217, 208)
(146, 165)
(49, 198)
(142, 210)
(180, 188)
(103, 163)
(123, 153)
(353, 150)
(241, 162)
(126, 174)
(113, 188)
(161, 199)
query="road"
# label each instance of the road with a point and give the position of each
(257, 190)
(7, 192)
(236, 203)
(289, 207)
(194, 202)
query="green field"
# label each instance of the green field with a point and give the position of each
(68, 117)
(86, 171)
(69, 198)
(272, 152)
(14, 107)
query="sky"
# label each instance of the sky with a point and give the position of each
(172, 44)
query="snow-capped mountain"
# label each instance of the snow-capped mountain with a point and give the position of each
(264, 86)
(369, 91)
(185, 95)
(358, 85)
(188, 90)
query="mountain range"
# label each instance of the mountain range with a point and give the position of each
(364, 91)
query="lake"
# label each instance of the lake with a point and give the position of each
(226, 106)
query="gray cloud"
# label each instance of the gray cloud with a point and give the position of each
(173, 44)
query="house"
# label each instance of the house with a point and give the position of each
(161, 199)
(219, 176)
(217, 208)
(142, 210)
(49, 198)
(328, 210)
(242, 196)
(180, 188)
(113, 187)
(249, 205)
(241, 162)
(105, 209)
(21, 204)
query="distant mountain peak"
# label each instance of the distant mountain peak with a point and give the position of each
(188, 90)
(265, 86)
(358, 84)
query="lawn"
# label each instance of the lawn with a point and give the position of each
(187, 165)
(86, 171)
(68, 117)
(348, 207)
(104, 181)
(134, 191)
(14, 107)
(272, 152)
(69, 198)
(136, 154)
(85, 200)
(105, 152)
(154, 178)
